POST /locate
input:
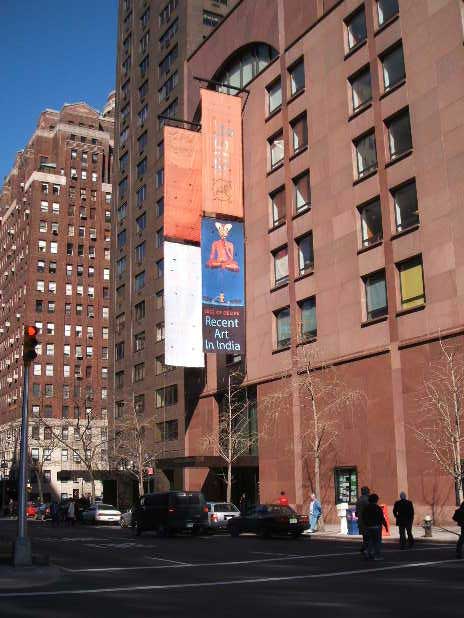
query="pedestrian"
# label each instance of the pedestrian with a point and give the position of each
(71, 513)
(361, 503)
(242, 503)
(373, 520)
(283, 500)
(55, 514)
(315, 511)
(458, 517)
(10, 508)
(403, 510)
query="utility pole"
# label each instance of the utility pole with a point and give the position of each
(22, 555)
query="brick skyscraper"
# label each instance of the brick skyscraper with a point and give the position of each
(55, 211)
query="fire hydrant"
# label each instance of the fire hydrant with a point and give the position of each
(427, 525)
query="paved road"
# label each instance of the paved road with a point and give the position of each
(110, 572)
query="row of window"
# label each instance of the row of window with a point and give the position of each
(355, 24)
(74, 176)
(411, 292)
(50, 305)
(47, 410)
(84, 156)
(69, 288)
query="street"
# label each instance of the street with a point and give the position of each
(114, 573)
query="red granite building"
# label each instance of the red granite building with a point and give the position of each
(353, 128)
(54, 273)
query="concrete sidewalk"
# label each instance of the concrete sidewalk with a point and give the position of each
(438, 535)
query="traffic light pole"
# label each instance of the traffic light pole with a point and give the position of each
(22, 548)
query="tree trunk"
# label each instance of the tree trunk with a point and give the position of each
(38, 476)
(317, 484)
(458, 491)
(141, 488)
(229, 481)
(92, 484)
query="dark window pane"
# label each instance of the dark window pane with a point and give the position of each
(371, 223)
(406, 207)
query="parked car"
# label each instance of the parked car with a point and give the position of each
(31, 510)
(219, 514)
(126, 520)
(170, 512)
(100, 513)
(43, 511)
(268, 519)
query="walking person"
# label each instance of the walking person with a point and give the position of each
(315, 511)
(361, 503)
(403, 510)
(242, 503)
(373, 520)
(283, 500)
(55, 514)
(458, 517)
(71, 513)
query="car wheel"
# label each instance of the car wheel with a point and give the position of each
(234, 531)
(122, 523)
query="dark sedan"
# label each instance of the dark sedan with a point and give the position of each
(266, 520)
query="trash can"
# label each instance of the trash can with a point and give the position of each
(352, 521)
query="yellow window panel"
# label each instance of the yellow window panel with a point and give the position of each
(412, 285)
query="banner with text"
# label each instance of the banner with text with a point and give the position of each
(182, 184)
(221, 131)
(182, 306)
(223, 286)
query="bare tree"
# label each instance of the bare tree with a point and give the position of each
(325, 400)
(440, 428)
(235, 434)
(134, 448)
(45, 449)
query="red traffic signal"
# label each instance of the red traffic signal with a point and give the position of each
(29, 344)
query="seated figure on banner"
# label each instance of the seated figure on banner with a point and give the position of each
(222, 251)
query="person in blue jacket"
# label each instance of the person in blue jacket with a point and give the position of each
(315, 511)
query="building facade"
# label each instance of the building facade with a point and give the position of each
(353, 125)
(55, 274)
(154, 39)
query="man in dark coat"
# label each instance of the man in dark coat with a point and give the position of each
(459, 519)
(403, 510)
(373, 520)
(361, 503)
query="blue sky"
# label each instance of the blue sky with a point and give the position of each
(52, 52)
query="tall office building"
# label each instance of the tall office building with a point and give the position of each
(154, 40)
(55, 274)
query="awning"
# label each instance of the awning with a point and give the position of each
(205, 461)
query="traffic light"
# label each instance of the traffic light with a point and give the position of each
(29, 344)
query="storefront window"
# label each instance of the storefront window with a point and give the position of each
(346, 485)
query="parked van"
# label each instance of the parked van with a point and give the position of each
(169, 512)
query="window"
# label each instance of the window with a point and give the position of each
(399, 134)
(141, 222)
(51, 306)
(159, 332)
(140, 310)
(308, 329)
(119, 350)
(386, 9)
(35, 454)
(35, 432)
(139, 372)
(144, 19)
(121, 265)
(211, 19)
(159, 179)
(244, 66)
(302, 192)
(168, 87)
(48, 390)
(166, 13)
(139, 281)
(160, 268)
(49, 370)
(144, 42)
(282, 319)
(366, 154)
(121, 238)
(305, 254)
(166, 396)
(168, 430)
(166, 64)
(139, 341)
(141, 195)
(142, 141)
(274, 96)
(122, 188)
(42, 246)
(40, 266)
(119, 378)
(159, 299)
(159, 209)
(170, 33)
(412, 283)
(43, 206)
(361, 89)
(406, 207)
(356, 29)
(277, 201)
(64, 454)
(141, 168)
(276, 150)
(140, 252)
(376, 295)
(280, 258)
(169, 112)
(297, 77)
(139, 403)
(40, 286)
(124, 163)
(159, 238)
(371, 223)
(299, 133)
(142, 114)
(346, 485)
(393, 67)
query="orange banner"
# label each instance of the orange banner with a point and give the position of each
(221, 130)
(182, 184)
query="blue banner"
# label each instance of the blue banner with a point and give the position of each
(223, 286)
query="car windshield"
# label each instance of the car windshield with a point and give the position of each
(184, 499)
(225, 507)
(106, 507)
(276, 509)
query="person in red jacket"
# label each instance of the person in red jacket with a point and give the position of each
(283, 500)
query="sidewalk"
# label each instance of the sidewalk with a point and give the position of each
(332, 531)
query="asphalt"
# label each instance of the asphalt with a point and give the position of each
(105, 571)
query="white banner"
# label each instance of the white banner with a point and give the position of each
(182, 305)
